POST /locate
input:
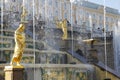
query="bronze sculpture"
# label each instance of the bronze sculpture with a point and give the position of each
(19, 45)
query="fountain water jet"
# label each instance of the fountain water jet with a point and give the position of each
(116, 38)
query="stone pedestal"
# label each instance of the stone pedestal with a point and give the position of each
(14, 73)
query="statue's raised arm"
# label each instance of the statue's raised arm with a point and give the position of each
(24, 14)
(19, 45)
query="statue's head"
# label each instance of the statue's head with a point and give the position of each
(21, 27)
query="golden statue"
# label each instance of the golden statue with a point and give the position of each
(19, 45)
(19, 40)
(63, 25)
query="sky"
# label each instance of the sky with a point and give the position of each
(110, 3)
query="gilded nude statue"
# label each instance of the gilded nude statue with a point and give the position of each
(19, 37)
(63, 25)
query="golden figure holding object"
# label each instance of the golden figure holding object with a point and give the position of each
(63, 25)
(19, 37)
(19, 45)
